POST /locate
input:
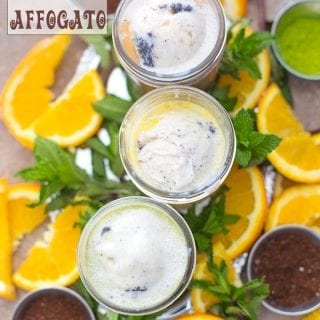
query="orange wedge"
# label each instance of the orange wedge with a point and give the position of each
(235, 9)
(200, 299)
(199, 316)
(22, 218)
(312, 316)
(296, 205)
(246, 197)
(26, 96)
(275, 115)
(7, 289)
(298, 155)
(52, 260)
(297, 158)
(316, 138)
(26, 102)
(71, 119)
(248, 90)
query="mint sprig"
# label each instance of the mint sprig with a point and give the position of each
(212, 220)
(222, 95)
(62, 181)
(236, 303)
(252, 146)
(242, 49)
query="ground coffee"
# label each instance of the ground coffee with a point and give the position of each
(290, 263)
(55, 306)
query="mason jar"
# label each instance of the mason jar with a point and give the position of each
(136, 256)
(159, 43)
(177, 144)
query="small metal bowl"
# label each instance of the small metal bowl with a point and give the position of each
(297, 311)
(31, 296)
(311, 5)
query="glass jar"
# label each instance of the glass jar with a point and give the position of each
(205, 104)
(170, 219)
(201, 74)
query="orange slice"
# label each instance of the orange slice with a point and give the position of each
(246, 197)
(296, 205)
(312, 316)
(316, 138)
(26, 100)
(7, 289)
(248, 90)
(275, 115)
(199, 316)
(200, 299)
(235, 9)
(297, 158)
(22, 218)
(52, 260)
(26, 96)
(71, 120)
(298, 155)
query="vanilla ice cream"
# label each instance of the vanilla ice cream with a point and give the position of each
(178, 147)
(169, 37)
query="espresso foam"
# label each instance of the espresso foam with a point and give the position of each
(136, 257)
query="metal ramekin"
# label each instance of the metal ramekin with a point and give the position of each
(277, 310)
(28, 298)
(281, 13)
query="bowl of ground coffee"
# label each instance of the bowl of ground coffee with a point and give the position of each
(288, 258)
(53, 304)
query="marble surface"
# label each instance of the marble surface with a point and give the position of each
(14, 157)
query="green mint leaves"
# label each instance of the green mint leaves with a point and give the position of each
(236, 303)
(241, 51)
(62, 181)
(252, 146)
(222, 95)
(212, 220)
(113, 108)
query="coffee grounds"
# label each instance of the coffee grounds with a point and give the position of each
(55, 306)
(290, 263)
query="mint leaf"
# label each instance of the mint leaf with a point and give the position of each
(212, 220)
(252, 146)
(62, 181)
(241, 51)
(112, 107)
(222, 95)
(113, 149)
(98, 166)
(132, 89)
(235, 302)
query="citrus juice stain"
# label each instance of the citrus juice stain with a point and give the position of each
(298, 41)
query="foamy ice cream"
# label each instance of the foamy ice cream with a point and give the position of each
(169, 37)
(178, 146)
(136, 257)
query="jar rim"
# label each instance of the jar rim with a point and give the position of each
(178, 197)
(157, 79)
(167, 210)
